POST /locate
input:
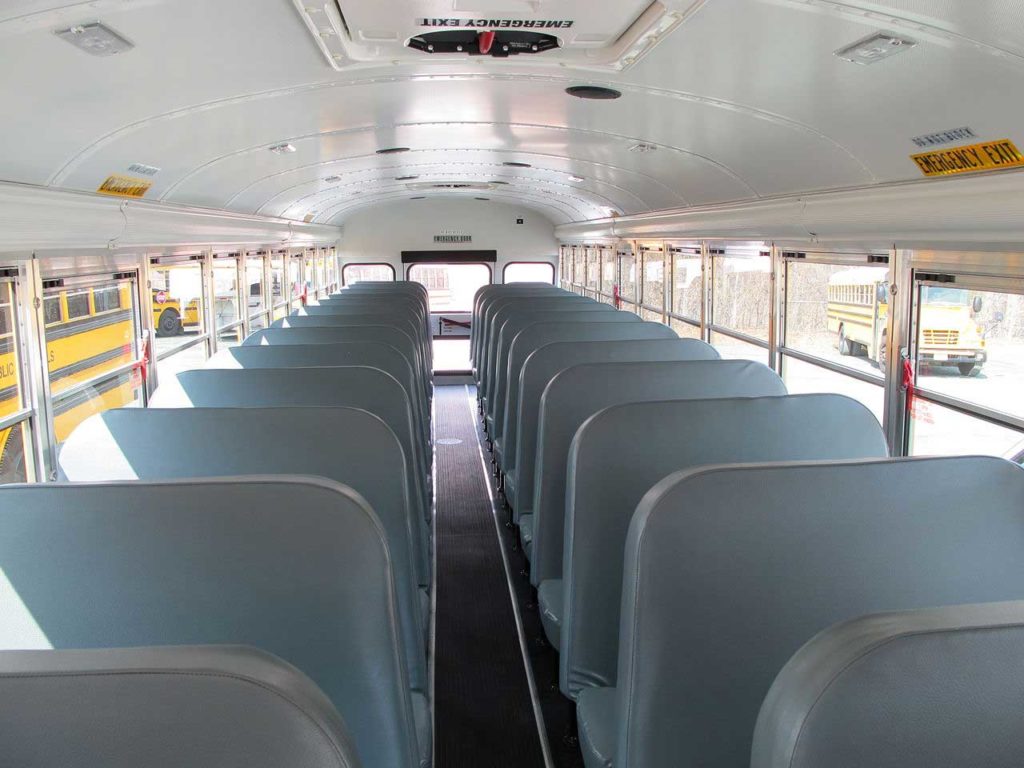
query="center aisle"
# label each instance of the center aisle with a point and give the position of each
(483, 710)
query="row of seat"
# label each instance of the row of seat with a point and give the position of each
(311, 543)
(689, 525)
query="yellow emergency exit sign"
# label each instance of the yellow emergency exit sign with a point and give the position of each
(124, 186)
(986, 156)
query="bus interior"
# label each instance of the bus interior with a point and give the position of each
(511, 383)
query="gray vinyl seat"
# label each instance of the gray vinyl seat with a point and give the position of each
(408, 306)
(297, 567)
(166, 707)
(621, 326)
(508, 307)
(369, 389)
(493, 313)
(363, 353)
(577, 393)
(935, 688)
(581, 606)
(403, 322)
(118, 445)
(544, 362)
(381, 334)
(729, 570)
(488, 293)
(508, 335)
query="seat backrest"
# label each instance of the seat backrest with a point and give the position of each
(497, 385)
(935, 688)
(606, 483)
(368, 389)
(363, 353)
(382, 334)
(541, 365)
(345, 445)
(237, 561)
(495, 304)
(577, 393)
(730, 569)
(482, 301)
(397, 320)
(166, 707)
(536, 337)
(508, 307)
(406, 306)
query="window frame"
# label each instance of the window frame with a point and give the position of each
(344, 269)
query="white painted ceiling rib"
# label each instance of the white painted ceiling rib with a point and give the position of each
(738, 99)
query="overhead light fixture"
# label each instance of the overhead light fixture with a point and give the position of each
(593, 92)
(643, 148)
(282, 149)
(392, 150)
(96, 39)
(333, 179)
(514, 164)
(874, 48)
(576, 178)
(405, 178)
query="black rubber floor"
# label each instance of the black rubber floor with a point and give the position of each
(482, 707)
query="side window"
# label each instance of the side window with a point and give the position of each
(51, 309)
(78, 305)
(106, 299)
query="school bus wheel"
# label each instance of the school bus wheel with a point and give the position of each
(169, 323)
(966, 369)
(12, 456)
(845, 346)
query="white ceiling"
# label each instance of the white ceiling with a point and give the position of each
(744, 100)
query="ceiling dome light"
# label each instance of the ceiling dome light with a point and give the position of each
(392, 150)
(576, 178)
(514, 164)
(282, 149)
(595, 92)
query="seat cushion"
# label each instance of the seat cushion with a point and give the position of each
(526, 533)
(509, 487)
(549, 600)
(595, 712)
(424, 727)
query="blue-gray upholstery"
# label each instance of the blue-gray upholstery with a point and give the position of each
(935, 688)
(396, 320)
(119, 445)
(730, 569)
(297, 567)
(352, 386)
(510, 306)
(509, 333)
(165, 707)
(355, 305)
(606, 483)
(363, 353)
(381, 334)
(491, 313)
(489, 293)
(577, 393)
(523, 398)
